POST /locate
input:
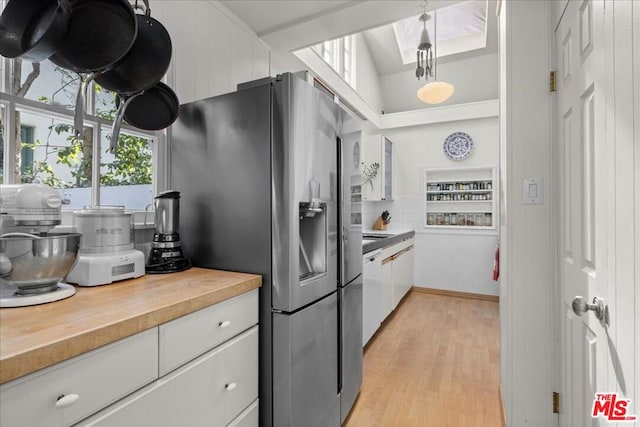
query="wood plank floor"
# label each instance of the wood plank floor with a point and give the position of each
(435, 362)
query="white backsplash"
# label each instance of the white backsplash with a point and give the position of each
(406, 213)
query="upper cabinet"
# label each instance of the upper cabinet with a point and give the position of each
(377, 167)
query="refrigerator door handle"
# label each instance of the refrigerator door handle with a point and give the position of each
(341, 224)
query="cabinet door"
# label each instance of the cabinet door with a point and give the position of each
(70, 391)
(386, 303)
(402, 274)
(372, 154)
(210, 391)
(409, 263)
(387, 169)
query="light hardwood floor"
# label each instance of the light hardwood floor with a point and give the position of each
(435, 362)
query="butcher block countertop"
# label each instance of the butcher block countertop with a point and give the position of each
(35, 337)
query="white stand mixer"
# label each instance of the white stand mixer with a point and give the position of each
(33, 262)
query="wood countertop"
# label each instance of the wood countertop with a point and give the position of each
(38, 336)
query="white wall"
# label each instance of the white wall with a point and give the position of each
(367, 79)
(526, 315)
(213, 51)
(474, 79)
(458, 260)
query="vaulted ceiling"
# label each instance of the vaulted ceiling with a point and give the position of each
(288, 25)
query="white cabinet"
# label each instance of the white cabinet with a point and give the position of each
(402, 276)
(386, 300)
(211, 390)
(460, 198)
(208, 364)
(397, 273)
(378, 150)
(189, 336)
(72, 390)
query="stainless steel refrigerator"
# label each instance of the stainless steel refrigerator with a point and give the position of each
(269, 182)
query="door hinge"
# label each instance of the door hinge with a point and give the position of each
(556, 402)
(552, 81)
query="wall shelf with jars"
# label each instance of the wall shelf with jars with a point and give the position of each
(460, 198)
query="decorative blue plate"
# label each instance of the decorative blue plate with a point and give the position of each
(458, 146)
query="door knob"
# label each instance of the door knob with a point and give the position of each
(581, 306)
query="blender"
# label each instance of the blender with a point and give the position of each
(167, 255)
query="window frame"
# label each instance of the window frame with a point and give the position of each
(338, 57)
(12, 103)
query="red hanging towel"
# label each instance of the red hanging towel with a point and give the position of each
(496, 264)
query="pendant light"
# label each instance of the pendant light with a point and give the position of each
(433, 92)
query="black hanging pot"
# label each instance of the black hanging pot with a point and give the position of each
(101, 33)
(33, 29)
(153, 109)
(147, 61)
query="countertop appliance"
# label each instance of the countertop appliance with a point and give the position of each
(107, 251)
(167, 254)
(265, 178)
(33, 262)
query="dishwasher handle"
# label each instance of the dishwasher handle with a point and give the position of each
(372, 256)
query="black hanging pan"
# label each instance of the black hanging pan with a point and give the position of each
(146, 62)
(101, 33)
(33, 29)
(153, 109)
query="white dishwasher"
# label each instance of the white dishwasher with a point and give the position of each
(372, 295)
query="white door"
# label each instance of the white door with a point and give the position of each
(598, 204)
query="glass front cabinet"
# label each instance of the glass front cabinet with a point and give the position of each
(460, 198)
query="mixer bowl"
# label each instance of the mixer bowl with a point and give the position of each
(36, 264)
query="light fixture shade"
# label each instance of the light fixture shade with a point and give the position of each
(425, 40)
(435, 92)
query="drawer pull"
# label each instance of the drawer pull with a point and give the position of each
(230, 386)
(225, 324)
(65, 400)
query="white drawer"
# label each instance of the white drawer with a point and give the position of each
(248, 418)
(210, 391)
(392, 250)
(98, 378)
(187, 337)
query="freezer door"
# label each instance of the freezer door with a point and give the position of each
(305, 194)
(351, 199)
(350, 345)
(305, 366)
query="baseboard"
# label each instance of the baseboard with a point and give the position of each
(503, 414)
(458, 294)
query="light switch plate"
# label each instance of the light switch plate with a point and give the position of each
(533, 191)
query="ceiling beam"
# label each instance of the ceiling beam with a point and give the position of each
(340, 22)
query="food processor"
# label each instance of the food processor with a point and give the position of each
(166, 255)
(107, 251)
(33, 262)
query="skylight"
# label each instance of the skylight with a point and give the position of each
(461, 27)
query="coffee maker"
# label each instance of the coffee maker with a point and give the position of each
(166, 255)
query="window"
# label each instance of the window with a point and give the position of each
(38, 99)
(339, 54)
(26, 154)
